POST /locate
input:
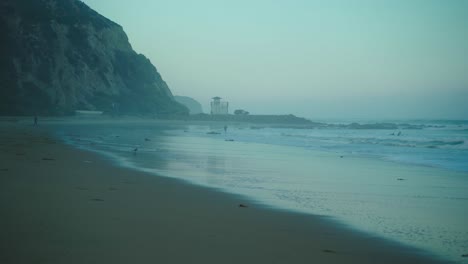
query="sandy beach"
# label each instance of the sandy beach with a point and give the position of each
(63, 205)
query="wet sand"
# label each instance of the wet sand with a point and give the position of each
(62, 205)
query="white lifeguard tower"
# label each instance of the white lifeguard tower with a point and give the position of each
(218, 107)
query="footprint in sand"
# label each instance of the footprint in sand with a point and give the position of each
(97, 200)
(329, 251)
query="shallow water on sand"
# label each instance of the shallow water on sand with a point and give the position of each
(420, 206)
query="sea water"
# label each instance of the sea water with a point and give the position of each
(408, 185)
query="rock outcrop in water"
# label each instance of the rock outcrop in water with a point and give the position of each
(277, 120)
(58, 56)
(193, 105)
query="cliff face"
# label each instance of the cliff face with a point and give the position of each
(57, 56)
(193, 105)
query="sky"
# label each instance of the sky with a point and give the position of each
(369, 59)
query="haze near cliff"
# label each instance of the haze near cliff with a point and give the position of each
(371, 59)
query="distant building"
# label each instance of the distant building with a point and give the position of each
(218, 107)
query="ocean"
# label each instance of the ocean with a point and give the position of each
(409, 184)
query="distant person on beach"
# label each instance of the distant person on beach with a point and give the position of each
(35, 120)
(225, 129)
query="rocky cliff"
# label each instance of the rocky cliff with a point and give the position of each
(193, 105)
(57, 56)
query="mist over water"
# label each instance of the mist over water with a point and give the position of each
(409, 188)
(385, 84)
(336, 62)
(318, 59)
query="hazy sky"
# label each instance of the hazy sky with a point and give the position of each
(319, 59)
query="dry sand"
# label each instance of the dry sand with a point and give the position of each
(62, 205)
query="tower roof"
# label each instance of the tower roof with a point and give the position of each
(216, 98)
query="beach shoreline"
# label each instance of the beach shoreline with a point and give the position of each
(64, 205)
